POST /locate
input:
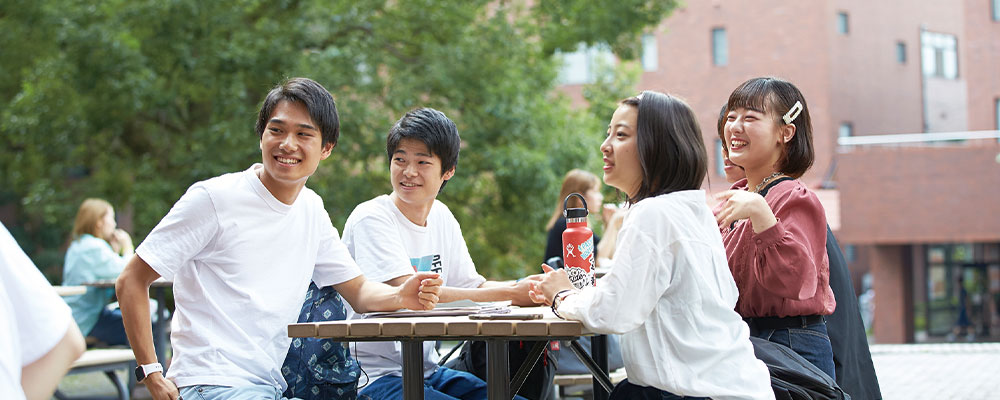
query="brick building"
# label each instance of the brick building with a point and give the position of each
(914, 211)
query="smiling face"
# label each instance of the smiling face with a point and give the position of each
(755, 139)
(291, 148)
(416, 178)
(621, 151)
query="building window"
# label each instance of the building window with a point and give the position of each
(901, 52)
(720, 164)
(584, 64)
(650, 55)
(996, 107)
(996, 9)
(720, 47)
(843, 24)
(846, 130)
(939, 55)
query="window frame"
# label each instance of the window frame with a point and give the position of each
(720, 48)
(843, 23)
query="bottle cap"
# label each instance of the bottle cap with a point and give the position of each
(575, 212)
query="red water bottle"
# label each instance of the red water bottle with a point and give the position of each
(578, 245)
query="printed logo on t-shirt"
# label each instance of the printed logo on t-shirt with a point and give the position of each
(430, 263)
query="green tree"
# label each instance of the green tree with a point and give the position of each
(136, 100)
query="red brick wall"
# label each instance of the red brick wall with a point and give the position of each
(979, 62)
(766, 38)
(920, 194)
(893, 320)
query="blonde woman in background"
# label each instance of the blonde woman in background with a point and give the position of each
(99, 251)
(587, 184)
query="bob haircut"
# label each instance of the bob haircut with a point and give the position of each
(576, 181)
(776, 96)
(671, 150)
(433, 129)
(319, 102)
(90, 213)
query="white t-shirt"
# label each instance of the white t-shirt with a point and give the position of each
(241, 261)
(387, 245)
(33, 318)
(673, 298)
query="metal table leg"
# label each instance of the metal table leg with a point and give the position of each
(159, 333)
(599, 349)
(600, 377)
(413, 369)
(497, 373)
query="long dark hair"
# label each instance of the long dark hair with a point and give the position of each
(671, 150)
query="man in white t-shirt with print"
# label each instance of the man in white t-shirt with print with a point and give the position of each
(241, 248)
(408, 231)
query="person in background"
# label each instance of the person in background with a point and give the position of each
(606, 247)
(98, 251)
(38, 339)
(775, 230)
(670, 292)
(586, 184)
(962, 325)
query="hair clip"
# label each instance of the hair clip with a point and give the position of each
(793, 113)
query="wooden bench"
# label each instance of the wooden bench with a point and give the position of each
(107, 361)
(566, 380)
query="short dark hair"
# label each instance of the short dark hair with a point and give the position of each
(769, 94)
(322, 108)
(720, 126)
(671, 150)
(431, 127)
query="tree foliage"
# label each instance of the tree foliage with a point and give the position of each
(135, 100)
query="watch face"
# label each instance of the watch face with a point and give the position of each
(139, 374)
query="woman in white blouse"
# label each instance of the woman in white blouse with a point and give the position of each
(670, 293)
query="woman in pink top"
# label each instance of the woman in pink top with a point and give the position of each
(774, 228)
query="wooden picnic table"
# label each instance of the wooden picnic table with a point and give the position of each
(65, 291)
(160, 338)
(413, 331)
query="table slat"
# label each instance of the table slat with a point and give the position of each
(302, 330)
(332, 329)
(499, 328)
(532, 328)
(371, 327)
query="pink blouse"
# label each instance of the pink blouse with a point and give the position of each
(783, 271)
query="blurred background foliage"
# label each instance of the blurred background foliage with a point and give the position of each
(135, 100)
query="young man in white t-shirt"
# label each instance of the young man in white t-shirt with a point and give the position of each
(39, 340)
(408, 231)
(241, 248)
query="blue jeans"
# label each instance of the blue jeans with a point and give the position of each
(443, 384)
(109, 328)
(811, 342)
(211, 392)
(628, 391)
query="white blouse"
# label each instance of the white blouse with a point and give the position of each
(672, 296)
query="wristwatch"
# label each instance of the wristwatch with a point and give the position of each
(142, 371)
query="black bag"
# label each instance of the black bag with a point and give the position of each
(793, 377)
(537, 386)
